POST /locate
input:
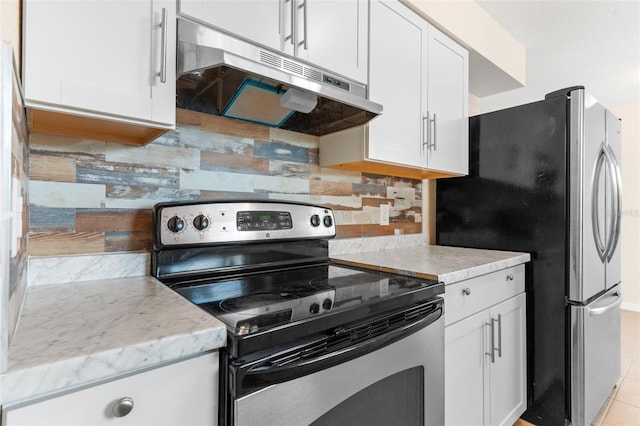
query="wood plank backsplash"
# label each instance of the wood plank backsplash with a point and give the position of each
(90, 196)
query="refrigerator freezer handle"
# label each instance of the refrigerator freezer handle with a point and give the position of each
(604, 309)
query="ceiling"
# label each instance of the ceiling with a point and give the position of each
(593, 43)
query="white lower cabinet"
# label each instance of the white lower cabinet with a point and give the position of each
(184, 393)
(485, 349)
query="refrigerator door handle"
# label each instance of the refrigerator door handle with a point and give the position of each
(601, 310)
(616, 184)
(595, 222)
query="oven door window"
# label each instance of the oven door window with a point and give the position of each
(401, 383)
(395, 400)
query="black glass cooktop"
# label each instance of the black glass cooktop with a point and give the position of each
(277, 306)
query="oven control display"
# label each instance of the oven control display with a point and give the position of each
(263, 220)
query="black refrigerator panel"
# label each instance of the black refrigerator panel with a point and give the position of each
(515, 198)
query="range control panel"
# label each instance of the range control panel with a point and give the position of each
(233, 222)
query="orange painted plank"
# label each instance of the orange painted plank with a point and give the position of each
(44, 244)
(52, 168)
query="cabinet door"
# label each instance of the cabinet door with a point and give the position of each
(464, 365)
(508, 372)
(100, 57)
(260, 21)
(333, 34)
(448, 91)
(185, 393)
(396, 49)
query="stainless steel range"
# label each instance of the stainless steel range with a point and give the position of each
(309, 342)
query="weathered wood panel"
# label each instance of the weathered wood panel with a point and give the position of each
(113, 220)
(63, 243)
(52, 168)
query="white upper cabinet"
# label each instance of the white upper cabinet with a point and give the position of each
(421, 78)
(103, 59)
(396, 78)
(331, 34)
(448, 92)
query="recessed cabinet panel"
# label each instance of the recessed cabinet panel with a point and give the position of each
(255, 20)
(448, 87)
(396, 56)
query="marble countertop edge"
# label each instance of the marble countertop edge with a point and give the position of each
(44, 380)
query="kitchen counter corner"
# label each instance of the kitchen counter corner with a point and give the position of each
(74, 334)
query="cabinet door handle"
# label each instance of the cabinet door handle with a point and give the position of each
(492, 354)
(510, 277)
(426, 139)
(304, 43)
(466, 291)
(163, 47)
(499, 335)
(123, 406)
(435, 133)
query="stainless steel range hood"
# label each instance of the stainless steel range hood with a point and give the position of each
(224, 75)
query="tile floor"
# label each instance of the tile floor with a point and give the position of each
(623, 407)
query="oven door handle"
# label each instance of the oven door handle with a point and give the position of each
(261, 376)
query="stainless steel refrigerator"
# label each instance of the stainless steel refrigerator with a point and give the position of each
(545, 179)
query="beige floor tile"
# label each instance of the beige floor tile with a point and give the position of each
(621, 414)
(633, 372)
(629, 392)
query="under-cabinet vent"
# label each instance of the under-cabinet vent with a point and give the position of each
(312, 74)
(292, 67)
(270, 59)
(351, 335)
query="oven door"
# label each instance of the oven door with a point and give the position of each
(394, 378)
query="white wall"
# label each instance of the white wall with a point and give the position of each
(630, 115)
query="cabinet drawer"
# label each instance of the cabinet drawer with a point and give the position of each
(467, 297)
(184, 393)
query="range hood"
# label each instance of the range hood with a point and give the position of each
(223, 75)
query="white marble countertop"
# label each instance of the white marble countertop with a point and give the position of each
(74, 334)
(442, 263)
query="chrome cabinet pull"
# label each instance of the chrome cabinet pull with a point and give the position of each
(435, 133)
(510, 277)
(425, 131)
(466, 291)
(303, 43)
(123, 407)
(492, 354)
(163, 47)
(499, 335)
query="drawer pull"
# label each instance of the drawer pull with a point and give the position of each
(466, 291)
(510, 277)
(123, 406)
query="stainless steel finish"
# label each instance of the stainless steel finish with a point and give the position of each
(595, 355)
(294, 28)
(429, 131)
(466, 291)
(492, 354)
(123, 406)
(289, 403)
(163, 53)
(222, 219)
(425, 131)
(614, 146)
(499, 335)
(615, 212)
(601, 244)
(435, 133)
(202, 49)
(304, 42)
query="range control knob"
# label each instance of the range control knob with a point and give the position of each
(175, 224)
(328, 221)
(201, 222)
(326, 304)
(315, 220)
(314, 308)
